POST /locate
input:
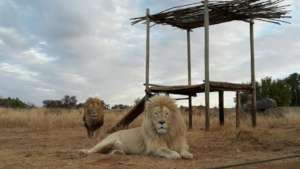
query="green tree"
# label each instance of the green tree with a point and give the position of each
(69, 101)
(12, 103)
(266, 86)
(278, 90)
(294, 83)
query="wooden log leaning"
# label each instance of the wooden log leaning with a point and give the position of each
(130, 116)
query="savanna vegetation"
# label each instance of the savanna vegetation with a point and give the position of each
(286, 91)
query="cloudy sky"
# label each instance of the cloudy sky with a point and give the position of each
(89, 48)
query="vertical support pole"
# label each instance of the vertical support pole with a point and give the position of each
(221, 108)
(207, 89)
(189, 77)
(238, 107)
(190, 113)
(253, 81)
(147, 50)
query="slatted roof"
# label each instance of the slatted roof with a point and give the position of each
(192, 15)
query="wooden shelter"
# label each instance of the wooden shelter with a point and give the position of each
(204, 14)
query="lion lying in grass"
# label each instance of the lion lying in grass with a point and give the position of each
(162, 134)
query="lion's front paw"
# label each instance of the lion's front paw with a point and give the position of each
(84, 152)
(186, 155)
(174, 155)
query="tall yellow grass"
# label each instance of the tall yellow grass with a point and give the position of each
(41, 118)
(290, 116)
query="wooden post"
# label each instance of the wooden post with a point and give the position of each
(221, 107)
(190, 113)
(147, 49)
(189, 77)
(207, 90)
(189, 56)
(253, 81)
(238, 103)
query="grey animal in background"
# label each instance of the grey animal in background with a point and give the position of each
(261, 105)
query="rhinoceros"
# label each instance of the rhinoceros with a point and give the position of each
(262, 105)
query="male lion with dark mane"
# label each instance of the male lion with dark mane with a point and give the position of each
(93, 115)
(162, 133)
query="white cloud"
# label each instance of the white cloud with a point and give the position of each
(45, 90)
(18, 72)
(35, 56)
(11, 42)
(43, 43)
(74, 78)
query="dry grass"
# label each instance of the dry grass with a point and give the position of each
(48, 119)
(39, 118)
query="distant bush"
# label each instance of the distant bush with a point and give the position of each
(286, 91)
(120, 107)
(66, 102)
(13, 103)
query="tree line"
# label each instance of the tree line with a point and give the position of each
(67, 102)
(14, 103)
(285, 91)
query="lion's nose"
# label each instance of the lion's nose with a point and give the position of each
(161, 122)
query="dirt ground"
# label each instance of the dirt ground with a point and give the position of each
(24, 148)
(37, 140)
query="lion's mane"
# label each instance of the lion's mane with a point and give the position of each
(175, 138)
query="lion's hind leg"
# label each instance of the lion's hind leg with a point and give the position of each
(105, 146)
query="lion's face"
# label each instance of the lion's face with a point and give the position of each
(159, 117)
(93, 105)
